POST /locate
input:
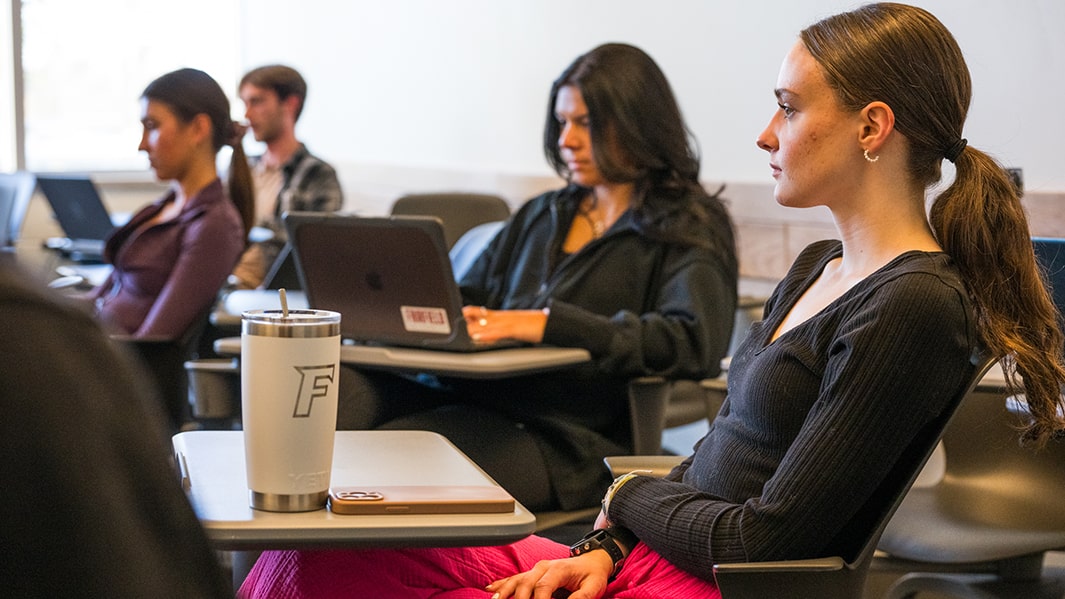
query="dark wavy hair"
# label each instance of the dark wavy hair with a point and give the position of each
(189, 92)
(639, 136)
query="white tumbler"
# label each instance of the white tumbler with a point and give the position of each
(290, 369)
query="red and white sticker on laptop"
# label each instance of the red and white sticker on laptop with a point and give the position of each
(418, 319)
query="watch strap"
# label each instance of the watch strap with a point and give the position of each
(624, 536)
(601, 538)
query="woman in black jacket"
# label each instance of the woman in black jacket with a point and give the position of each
(632, 261)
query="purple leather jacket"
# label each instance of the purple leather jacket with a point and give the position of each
(168, 275)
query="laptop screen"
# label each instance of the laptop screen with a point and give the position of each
(77, 206)
(390, 278)
(1050, 254)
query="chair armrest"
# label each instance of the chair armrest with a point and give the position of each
(688, 401)
(821, 564)
(659, 465)
(784, 579)
(714, 390)
(718, 383)
(648, 396)
(214, 388)
(147, 340)
(158, 354)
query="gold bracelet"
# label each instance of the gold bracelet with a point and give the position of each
(617, 484)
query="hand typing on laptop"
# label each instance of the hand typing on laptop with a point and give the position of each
(489, 326)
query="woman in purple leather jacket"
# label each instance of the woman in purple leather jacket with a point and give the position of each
(173, 255)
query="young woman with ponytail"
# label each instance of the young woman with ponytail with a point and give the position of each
(173, 255)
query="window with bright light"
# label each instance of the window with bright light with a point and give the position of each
(85, 65)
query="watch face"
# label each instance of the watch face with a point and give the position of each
(590, 541)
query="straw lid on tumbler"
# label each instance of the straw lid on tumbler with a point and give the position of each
(296, 323)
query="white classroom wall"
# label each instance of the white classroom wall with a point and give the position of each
(462, 84)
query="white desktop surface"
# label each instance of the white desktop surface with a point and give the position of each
(212, 464)
(488, 364)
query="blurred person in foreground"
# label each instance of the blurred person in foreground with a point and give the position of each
(91, 503)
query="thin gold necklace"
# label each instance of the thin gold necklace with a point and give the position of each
(595, 222)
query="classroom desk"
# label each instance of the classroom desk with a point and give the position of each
(47, 265)
(212, 465)
(491, 364)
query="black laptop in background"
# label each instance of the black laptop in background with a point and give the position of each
(282, 274)
(389, 278)
(81, 214)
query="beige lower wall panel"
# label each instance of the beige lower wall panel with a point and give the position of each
(759, 248)
(1046, 214)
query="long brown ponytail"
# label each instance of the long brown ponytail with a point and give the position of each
(1017, 317)
(241, 190)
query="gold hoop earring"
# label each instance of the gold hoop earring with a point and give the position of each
(870, 159)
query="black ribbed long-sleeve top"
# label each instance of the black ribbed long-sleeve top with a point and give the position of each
(814, 420)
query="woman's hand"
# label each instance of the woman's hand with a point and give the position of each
(585, 575)
(487, 326)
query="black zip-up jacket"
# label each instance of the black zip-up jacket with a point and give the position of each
(639, 305)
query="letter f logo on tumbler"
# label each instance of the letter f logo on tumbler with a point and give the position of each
(315, 381)
(290, 362)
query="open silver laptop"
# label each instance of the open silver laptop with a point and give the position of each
(390, 278)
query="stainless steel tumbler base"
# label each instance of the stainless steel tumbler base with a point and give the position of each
(271, 502)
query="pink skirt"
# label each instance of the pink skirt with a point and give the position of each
(447, 573)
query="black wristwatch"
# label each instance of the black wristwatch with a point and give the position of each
(601, 538)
